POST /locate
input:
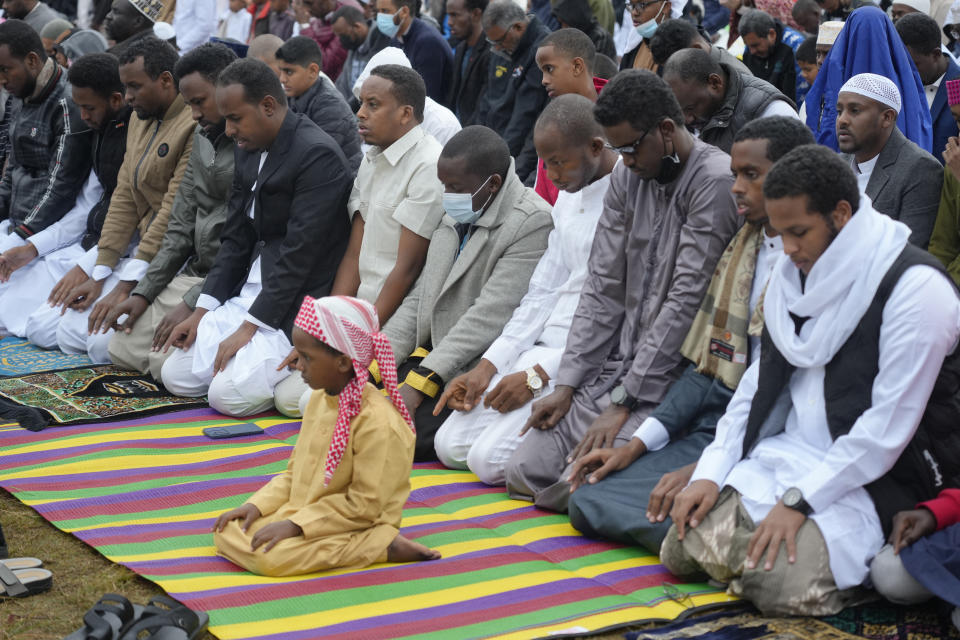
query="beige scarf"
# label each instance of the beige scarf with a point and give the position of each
(718, 342)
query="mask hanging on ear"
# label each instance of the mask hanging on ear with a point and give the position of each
(670, 166)
(648, 28)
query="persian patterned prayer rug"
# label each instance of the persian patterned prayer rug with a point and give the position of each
(84, 394)
(18, 358)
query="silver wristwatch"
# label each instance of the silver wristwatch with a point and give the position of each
(534, 382)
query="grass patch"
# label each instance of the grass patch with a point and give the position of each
(80, 577)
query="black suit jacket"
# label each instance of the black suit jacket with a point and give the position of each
(299, 227)
(467, 88)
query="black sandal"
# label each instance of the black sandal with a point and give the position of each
(166, 619)
(107, 619)
(4, 553)
(24, 582)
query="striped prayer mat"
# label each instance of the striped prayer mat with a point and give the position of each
(145, 493)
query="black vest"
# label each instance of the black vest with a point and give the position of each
(933, 456)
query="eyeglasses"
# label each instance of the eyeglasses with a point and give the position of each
(630, 149)
(499, 41)
(639, 7)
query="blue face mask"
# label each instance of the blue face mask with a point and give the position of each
(648, 28)
(386, 25)
(459, 206)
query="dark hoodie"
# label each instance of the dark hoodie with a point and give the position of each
(577, 14)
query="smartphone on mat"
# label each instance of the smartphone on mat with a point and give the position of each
(232, 431)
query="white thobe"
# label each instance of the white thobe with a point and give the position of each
(536, 333)
(921, 323)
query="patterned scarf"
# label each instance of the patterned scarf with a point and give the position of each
(718, 342)
(351, 327)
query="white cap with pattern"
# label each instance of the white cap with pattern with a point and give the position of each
(875, 87)
(829, 31)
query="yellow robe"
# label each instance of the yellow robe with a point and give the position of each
(351, 521)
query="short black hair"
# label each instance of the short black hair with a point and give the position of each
(158, 55)
(756, 22)
(671, 36)
(572, 43)
(209, 59)
(413, 5)
(99, 72)
(408, 87)
(351, 14)
(487, 152)
(257, 79)
(692, 65)
(21, 39)
(639, 97)
(816, 172)
(572, 116)
(919, 32)
(807, 51)
(301, 51)
(471, 5)
(781, 133)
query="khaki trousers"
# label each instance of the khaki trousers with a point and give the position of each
(718, 547)
(133, 350)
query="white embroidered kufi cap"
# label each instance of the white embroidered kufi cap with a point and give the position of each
(829, 31)
(875, 87)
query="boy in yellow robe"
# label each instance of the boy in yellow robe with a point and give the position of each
(339, 502)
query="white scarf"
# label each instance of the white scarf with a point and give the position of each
(839, 288)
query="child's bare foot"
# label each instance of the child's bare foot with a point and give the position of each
(405, 550)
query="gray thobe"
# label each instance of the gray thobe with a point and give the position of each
(654, 252)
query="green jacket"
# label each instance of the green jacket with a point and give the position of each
(192, 238)
(945, 241)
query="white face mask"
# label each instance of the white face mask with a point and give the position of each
(648, 28)
(459, 206)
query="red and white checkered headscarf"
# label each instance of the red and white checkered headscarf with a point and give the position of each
(351, 327)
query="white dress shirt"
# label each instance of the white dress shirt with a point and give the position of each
(546, 311)
(395, 188)
(930, 90)
(921, 323)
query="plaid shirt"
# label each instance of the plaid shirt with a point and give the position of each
(49, 156)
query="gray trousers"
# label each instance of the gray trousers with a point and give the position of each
(616, 507)
(537, 470)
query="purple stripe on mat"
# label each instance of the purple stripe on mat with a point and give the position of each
(151, 494)
(128, 473)
(486, 603)
(440, 490)
(154, 443)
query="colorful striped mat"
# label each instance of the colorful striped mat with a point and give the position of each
(145, 492)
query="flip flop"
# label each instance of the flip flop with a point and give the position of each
(18, 564)
(23, 583)
(107, 619)
(166, 619)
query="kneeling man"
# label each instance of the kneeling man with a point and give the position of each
(857, 325)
